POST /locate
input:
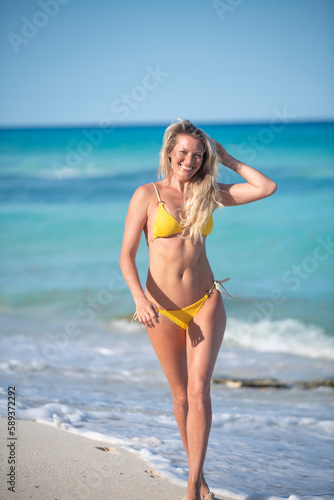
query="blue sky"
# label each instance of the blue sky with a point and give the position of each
(89, 61)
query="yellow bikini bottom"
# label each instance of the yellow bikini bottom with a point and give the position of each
(182, 317)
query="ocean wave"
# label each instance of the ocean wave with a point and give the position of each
(289, 336)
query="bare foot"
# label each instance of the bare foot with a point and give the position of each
(193, 496)
(203, 494)
(205, 490)
(193, 493)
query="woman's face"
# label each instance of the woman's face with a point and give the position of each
(186, 156)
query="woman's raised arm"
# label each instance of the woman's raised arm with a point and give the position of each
(258, 185)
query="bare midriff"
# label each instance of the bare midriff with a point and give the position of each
(179, 273)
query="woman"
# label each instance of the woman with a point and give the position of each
(181, 307)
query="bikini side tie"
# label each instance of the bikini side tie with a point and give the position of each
(134, 317)
(217, 284)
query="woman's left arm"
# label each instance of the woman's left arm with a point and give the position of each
(258, 185)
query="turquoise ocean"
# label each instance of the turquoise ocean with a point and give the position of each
(67, 343)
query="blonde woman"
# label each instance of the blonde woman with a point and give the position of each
(181, 306)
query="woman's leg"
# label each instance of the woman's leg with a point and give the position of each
(171, 345)
(209, 324)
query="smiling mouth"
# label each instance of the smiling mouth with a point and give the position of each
(186, 169)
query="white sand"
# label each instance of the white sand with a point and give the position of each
(53, 464)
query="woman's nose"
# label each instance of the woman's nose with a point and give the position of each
(189, 160)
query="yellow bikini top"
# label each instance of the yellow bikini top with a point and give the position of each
(166, 225)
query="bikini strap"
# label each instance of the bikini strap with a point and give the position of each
(158, 194)
(134, 317)
(218, 285)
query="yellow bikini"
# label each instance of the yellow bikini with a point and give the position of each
(182, 317)
(166, 225)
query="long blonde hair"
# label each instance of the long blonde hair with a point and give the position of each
(203, 193)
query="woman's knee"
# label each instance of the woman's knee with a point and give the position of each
(199, 390)
(180, 397)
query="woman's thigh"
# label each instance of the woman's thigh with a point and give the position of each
(169, 343)
(204, 338)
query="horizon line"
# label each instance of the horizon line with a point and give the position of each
(158, 124)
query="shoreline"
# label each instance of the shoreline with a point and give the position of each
(54, 463)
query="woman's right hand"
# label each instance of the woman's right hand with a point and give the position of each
(147, 313)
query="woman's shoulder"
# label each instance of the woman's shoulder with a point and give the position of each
(144, 190)
(144, 194)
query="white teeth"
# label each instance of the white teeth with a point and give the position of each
(186, 168)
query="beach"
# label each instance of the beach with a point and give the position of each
(55, 464)
(84, 376)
